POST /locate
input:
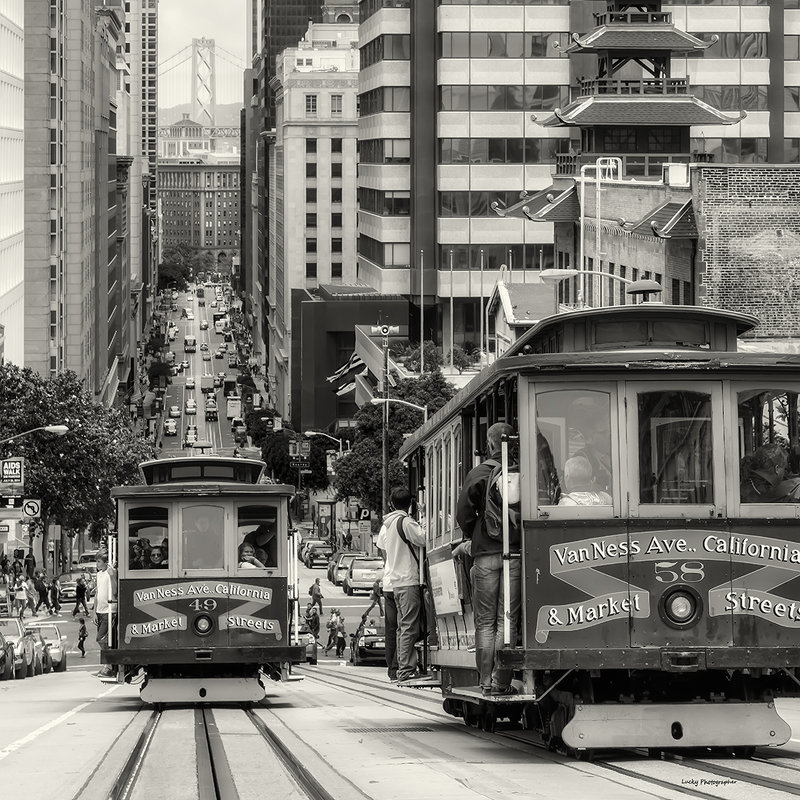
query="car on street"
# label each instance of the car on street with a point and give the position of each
(317, 555)
(217, 382)
(174, 411)
(212, 413)
(368, 643)
(204, 347)
(232, 362)
(6, 658)
(191, 406)
(173, 306)
(43, 662)
(219, 354)
(185, 364)
(206, 356)
(170, 427)
(172, 334)
(203, 322)
(339, 564)
(305, 544)
(69, 580)
(362, 573)
(56, 642)
(24, 648)
(223, 346)
(308, 639)
(190, 315)
(191, 436)
(213, 304)
(190, 383)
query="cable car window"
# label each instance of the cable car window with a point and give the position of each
(768, 446)
(203, 532)
(675, 448)
(573, 432)
(148, 538)
(257, 537)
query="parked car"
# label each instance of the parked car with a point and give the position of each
(43, 663)
(318, 555)
(24, 649)
(304, 544)
(170, 427)
(6, 659)
(339, 564)
(56, 642)
(175, 411)
(368, 643)
(363, 572)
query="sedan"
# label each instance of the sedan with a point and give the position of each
(213, 304)
(6, 659)
(170, 427)
(204, 325)
(219, 354)
(190, 383)
(56, 642)
(24, 650)
(184, 364)
(174, 411)
(206, 356)
(204, 346)
(190, 315)
(191, 406)
(368, 643)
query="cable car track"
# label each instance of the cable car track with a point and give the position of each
(714, 771)
(215, 778)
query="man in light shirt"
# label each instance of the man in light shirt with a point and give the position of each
(401, 540)
(105, 607)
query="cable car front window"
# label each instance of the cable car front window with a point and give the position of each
(203, 530)
(574, 448)
(768, 446)
(148, 538)
(675, 448)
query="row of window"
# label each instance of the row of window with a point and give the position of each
(311, 245)
(492, 256)
(336, 109)
(502, 97)
(311, 145)
(384, 151)
(386, 98)
(311, 169)
(500, 151)
(388, 204)
(370, 7)
(497, 44)
(311, 195)
(474, 204)
(311, 269)
(389, 255)
(386, 47)
(733, 45)
(336, 220)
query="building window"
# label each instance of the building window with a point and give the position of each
(311, 220)
(336, 104)
(311, 169)
(311, 105)
(311, 245)
(336, 245)
(336, 195)
(336, 220)
(311, 145)
(311, 269)
(336, 145)
(311, 195)
(336, 169)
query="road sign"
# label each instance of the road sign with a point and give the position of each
(364, 529)
(305, 448)
(298, 462)
(305, 471)
(364, 514)
(294, 451)
(32, 507)
(10, 502)
(12, 475)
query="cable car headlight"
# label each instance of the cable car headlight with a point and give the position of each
(203, 625)
(680, 607)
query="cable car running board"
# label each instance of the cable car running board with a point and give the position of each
(675, 725)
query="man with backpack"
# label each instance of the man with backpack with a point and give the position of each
(315, 593)
(481, 527)
(401, 539)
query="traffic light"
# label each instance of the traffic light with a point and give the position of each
(269, 424)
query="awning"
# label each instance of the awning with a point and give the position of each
(352, 363)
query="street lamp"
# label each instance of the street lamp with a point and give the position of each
(58, 430)
(643, 287)
(328, 436)
(377, 401)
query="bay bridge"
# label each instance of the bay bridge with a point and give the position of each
(203, 79)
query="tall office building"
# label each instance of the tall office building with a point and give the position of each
(12, 175)
(454, 100)
(312, 198)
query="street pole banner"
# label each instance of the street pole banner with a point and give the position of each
(12, 476)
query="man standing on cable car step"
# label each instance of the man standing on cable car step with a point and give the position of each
(486, 574)
(105, 607)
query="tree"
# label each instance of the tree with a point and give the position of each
(433, 358)
(462, 359)
(359, 472)
(275, 452)
(72, 474)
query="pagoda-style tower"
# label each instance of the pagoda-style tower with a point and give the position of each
(634, 109)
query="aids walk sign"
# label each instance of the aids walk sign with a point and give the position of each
(12, 476)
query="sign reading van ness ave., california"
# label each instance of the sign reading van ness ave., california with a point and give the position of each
(241, 609)
(643, 564)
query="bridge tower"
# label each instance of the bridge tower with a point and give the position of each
(204, 82)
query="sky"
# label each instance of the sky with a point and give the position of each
(180, 21)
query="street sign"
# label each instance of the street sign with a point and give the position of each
(305, 471)
(278, 424)
(5, 529)
(364, 529)
(32, 507)
(294, 451)
(10, 502)
(364, 514)
(298, 462)
(305, 448)
(12, 476)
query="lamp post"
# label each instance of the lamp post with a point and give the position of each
(340, 442)
(58, 430)
(640, 287)
(376, 401)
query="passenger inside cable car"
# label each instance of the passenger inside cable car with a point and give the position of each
(258, 528)
(147, 524)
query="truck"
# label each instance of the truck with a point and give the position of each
(233, 407)
(206, 383)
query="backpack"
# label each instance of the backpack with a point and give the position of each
(311, 591)
(493, 502)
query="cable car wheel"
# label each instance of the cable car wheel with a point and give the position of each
(468, 714)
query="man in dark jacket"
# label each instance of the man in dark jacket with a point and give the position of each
(486, 574)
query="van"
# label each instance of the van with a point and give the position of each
(89, 557)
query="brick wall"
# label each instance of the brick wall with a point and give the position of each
(749, 249)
